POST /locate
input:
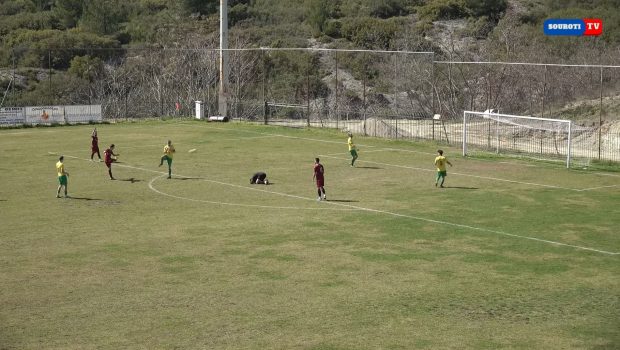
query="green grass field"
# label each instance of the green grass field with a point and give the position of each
(511, 255)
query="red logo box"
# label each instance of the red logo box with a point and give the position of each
(594, 26)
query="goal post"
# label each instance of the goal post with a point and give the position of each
(545, 138)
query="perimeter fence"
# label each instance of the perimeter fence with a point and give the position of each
(379, 93)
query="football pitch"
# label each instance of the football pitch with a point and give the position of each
(511, 254)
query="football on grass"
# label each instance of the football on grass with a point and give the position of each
(192, 150)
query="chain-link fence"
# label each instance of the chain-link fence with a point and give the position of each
(378, 93)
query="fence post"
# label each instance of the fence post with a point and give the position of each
(544, 92)
(308, 92)
(49, 67)
(364, 94)
(600, 116)
(337, 109)
(263, 86)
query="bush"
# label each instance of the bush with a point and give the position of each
(388, 8)
(32, 47)
(443, 10)
(370, 33)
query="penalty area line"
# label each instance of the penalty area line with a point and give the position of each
(479, 229)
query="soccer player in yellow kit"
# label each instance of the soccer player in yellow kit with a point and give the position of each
(352, 149)
(62, 176)
(168, 154)
(440, 163)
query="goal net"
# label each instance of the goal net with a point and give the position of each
(542, 138)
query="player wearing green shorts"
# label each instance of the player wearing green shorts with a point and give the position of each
(440, 163)
(352, 149)
(62, 177)
(168, 155)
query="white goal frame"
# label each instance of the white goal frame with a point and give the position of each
(564, 125)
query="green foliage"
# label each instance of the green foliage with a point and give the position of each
(13, 7)
(33, 48)
(104, 17)
(238, 13)
(443, 9)
(86, 67)
(370, 33)
(609, 15)
(318, 13)
(28, 20)
(69, 12)
(492, 9)
(333, 28)
(453, 9)
(388, 8)
(203, 7)
(295, 71)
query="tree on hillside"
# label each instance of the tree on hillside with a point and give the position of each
(202, 7)
(69, 12)
(104, 16)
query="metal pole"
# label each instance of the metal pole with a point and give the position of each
(433, 111)
(544, 92)
(308, 94)
(49, 66)
(464, 133)
(568, 153)
(263, 87)
(337, 109)
(364, 94)
(433, 85)
(224, 69)
(600, 116)
(13, 81)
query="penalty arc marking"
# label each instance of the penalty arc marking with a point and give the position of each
(354, 207)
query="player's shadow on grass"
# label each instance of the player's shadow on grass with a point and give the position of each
(131, 179)
(342, 200)
(369, 167)
(461, 187)
(85, 198)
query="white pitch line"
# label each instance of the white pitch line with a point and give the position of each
(162, 173)
(386, 212)
(476, 228)
(341, 153)
(460, 174)
(233, 204)
(597, 188)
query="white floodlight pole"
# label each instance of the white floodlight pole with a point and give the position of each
(224, 69)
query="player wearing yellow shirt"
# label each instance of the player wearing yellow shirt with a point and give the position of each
(62, 176)
(440, 163)
(352, 149)
(168, 155)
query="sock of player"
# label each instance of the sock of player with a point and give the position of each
(110, 173)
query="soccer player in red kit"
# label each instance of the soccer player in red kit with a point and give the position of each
(319, 171)
(108, 155)
(95, 145)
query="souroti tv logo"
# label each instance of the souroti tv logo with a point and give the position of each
(574, 27)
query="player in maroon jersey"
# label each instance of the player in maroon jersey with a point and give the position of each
(109, 158)
(319, 171)
(95, 145)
